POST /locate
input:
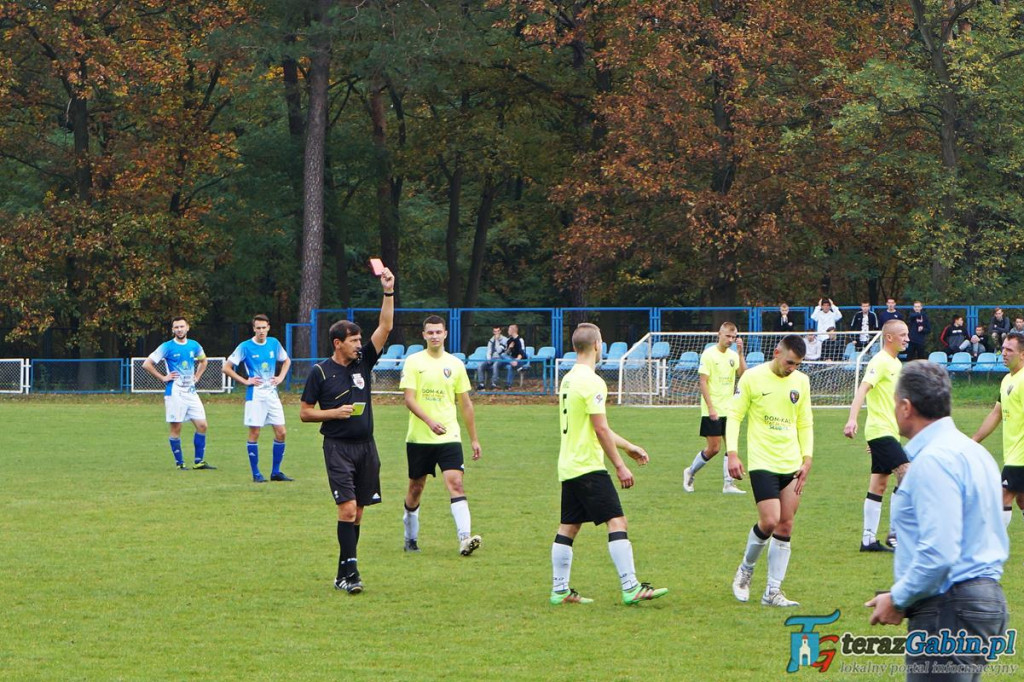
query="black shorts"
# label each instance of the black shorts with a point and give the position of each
(425, 457)
(1013, 479)
(767, 484)
(886, 455)
(353, 470)
(712, 427)
(590, 497)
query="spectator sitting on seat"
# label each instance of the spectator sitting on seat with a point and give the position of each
(813, 347)
(977, 345)
(516, 354)
(832, 348)
(784, 323)
(495, 353)
(890, 312)
(825, 315)
(954, 337)
(998, 328)
(866, 321)
(920, 328)
(1018, 324)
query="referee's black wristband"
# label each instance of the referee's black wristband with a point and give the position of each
(388, 295)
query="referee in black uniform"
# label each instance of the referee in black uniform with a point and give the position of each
(353, 467)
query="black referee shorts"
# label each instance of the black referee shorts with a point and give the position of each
(886, 455)
(712, 427)
(590, 497)
(353, 470)
(1013, 479)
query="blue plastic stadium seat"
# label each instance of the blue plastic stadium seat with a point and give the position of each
(460, 356)
(688, 362)
(477, 356)
(660, 350)
(414, 348)
(960, 362)
(755, 358)
(610, 361)
(938, 357)
(988, 362)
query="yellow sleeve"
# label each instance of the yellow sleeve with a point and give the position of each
(805, 423)
(737, 411)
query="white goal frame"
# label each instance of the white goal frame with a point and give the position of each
(213, 380)
(11, 368)
(651, 377)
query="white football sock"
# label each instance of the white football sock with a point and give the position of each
(561, 566)
(872, 514)
(460, 512)
(778, 562)
(725, 469)
(622, 557)
(698, 463)
(755, 546)
(411, 519)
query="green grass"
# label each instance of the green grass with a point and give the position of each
(117, 566)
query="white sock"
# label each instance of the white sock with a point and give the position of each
(755, 545)
(725, 469)
(411, 519)
(778, 562)
(698, 463)
(621, 550)
(460, 512)
(561, 564)
(872, 513)
(1007, 516)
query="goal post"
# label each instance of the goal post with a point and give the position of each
(661, 368)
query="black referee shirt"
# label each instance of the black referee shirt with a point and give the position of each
(333, 385)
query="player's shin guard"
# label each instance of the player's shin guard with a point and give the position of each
(411, 521)
(254, 457)
(621, 550)
(176, 450)
(778, 561)
(460, 512)
(199, 442)
(278, 456)
(561, 563)
(1007, 515)
(698, 462)
(872, 513)
(756, 541)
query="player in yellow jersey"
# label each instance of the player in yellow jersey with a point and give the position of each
(719, 367)
(880, 429)
(1009, 409)
(432, 381)
(780, 445)
(588, 493)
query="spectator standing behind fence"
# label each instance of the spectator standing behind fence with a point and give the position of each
(516, 352)
(954, 337)
(890, 312)
(866, 322)
(826, 314)
(260, 355)
(784, 322)
(813, 347)
(496, 346)
(920, 328)
(186, 362)
(832, 348)
(998, 328)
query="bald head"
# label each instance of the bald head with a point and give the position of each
(895, 336)
(586, 337)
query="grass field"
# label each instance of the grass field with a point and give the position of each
(117, 566)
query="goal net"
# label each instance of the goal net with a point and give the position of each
(661, 368)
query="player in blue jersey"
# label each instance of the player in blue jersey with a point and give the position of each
(260, 356)
(186, 362)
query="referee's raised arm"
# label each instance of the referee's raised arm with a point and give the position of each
(387, 311)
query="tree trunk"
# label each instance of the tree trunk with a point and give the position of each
(292, 94)
(451, 242)
(389, 187)
(313, 177)
(483, 223)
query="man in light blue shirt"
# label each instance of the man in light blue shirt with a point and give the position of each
(186, 362)
(260, 355)
(947, 515)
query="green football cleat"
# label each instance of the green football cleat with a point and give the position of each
(570, 596)
(642, 592)
(203, 465)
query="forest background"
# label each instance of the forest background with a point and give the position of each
(217, 159)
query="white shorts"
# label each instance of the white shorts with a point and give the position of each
(183, 407)
(264, 412)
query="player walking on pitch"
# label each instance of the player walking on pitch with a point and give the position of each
(260, 355)
(186, 362)
(1009, 409)
(587, 490)
(431, 380)
(720, 365)
(880, 428)
(780, 446)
